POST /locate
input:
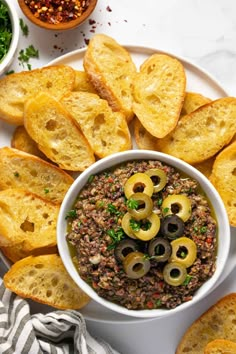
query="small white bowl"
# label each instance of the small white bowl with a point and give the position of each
(7, 60)
(207, 187)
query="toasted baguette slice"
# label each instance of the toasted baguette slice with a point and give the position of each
(217, 322)
(111, 70)
(220, 346)
(202, 133)
(206, 166)
(16, 88)
(106, 131)
(44, 279)
(192, 101)
(22, 170)
(223, 177)
(159, 90)
(56, 133)
(27, 219)
(143, 138)
(82, 82)
(17, 252)
(22, 141)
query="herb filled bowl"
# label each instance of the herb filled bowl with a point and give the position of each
(57, 15)
(9, 34)
(143, 233)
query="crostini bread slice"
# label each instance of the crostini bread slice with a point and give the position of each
(202, 133)
(159, 91)
(57, 135)
(19, 169)
(223, 177)
(82, 82)
(217, 322)
(111, 70)
(17, 252)
(27, 219)
(44, 279)
(220, 346)
(16, 88)
(106, 131)
(143, 138)
(192, 101)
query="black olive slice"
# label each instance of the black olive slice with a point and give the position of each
(125, 247)
(172, 226)
(159, 249)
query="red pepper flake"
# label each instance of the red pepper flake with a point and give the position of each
(57, 11)
(150, 305)
(209, 240)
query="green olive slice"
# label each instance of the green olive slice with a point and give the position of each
(147, 233)
(123, 248)
(125, 224)
(172, 226)
(174, 273)
(136, 265)
(139, 182)
(177, 204)
(158, 177)
(160, 249)
(184, 251)
(144, 208)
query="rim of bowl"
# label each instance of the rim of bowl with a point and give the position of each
(6, 61)
(209, 190)
(60, 26)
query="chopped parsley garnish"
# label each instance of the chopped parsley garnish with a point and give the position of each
(24, 28)
(5, 30)
(46, 190)
(90, 179)
(71, 214)
(16, 174)
(26, 54)
(134, 224)
(203, 229)
(116, 237)
(132, 203)
(187, 279)
(165, 210)
(113, 210)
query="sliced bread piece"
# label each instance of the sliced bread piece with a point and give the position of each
(44, 279)
(19, 169)
(217, 322)
(106, 131)
(17, 252)
(143, 138)
(192, 101)
(82, 82)
(159, 91)
(202, 133)
(223, 177)
(27, 219)
(220, 346)
(56, 133)
(111, 70)
(16, 88)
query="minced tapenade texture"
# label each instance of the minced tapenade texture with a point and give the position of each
(99, 208)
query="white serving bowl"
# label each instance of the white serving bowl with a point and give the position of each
(7, 60)
(207, 187)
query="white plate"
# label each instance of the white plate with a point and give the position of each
(198, 80)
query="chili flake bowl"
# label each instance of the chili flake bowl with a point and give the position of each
(52, 20)
(6, 60)
(206, 189)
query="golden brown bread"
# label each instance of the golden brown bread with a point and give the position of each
(82, 82)
(206, 166)
(223, 177)
(111, 70)
(217, 322)
(16, 88)
(202, 133)
(17, 252)
(192, 101)
(22, 170)
(220, 346)
(159, 91)
(56, 133)
(44, 279)
(27, 219)
(143, 138)
(106, 131)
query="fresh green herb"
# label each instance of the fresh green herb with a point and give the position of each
(165, 210)
(134, 224)
(46, 190)
(183, 254)
(71, 214)
(24, 28)
(16, 174)
(159, 202)
(113, 210)
(26, 54)
(158, 303)
(195, 228)
(187, 279)
(203, 229)
(10, 72)
(116, 237)
(91, 178)
(132, 203)
(5, 30)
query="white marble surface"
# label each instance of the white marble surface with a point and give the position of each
(203, 32)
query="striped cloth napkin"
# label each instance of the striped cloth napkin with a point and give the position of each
(54, 333)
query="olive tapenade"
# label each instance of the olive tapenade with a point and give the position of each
(143, 235)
